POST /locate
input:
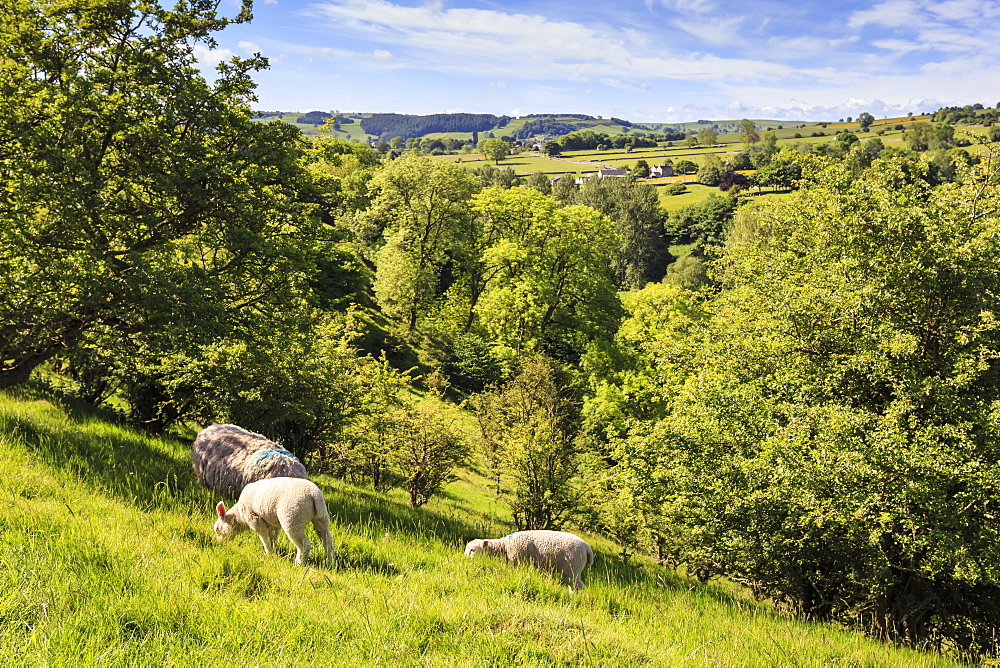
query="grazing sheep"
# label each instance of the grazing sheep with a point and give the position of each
(226, 458)
(286, 503)
(551, 551)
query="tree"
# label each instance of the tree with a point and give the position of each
(139, 197)
(686, 167)
(551, 148)
(426, 451)
(708, 137)
(540, 181)
(544, 277)
(302, 383)
(734, 181)
(710, 172)
(925, 136)
(494, 149)
(641, 170)
(703, 223)
(865, 119)
(748, 130)
(489, 175)
(687, 272)
(423, 206)
(635, 210)
(340, 171)
(528, 431)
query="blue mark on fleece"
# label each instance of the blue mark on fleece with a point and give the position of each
(262, 457)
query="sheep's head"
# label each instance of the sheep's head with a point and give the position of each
(226, 524)
(475, 546)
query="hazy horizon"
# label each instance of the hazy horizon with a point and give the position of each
(653, 61)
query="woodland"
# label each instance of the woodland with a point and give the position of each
(805, 404)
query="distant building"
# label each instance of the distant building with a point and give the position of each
(612, 173)
(658, 171)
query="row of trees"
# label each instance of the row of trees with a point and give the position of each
(405, 125)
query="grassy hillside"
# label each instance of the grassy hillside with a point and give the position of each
(108, 558)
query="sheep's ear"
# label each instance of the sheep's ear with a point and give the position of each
(485, 543)
(221, 509)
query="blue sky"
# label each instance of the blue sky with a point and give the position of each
(642, 60)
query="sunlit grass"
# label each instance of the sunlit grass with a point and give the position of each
(107, 557)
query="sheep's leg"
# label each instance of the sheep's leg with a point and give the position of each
(298, 537)
(264, 531)
(322, 526)
(265, 537)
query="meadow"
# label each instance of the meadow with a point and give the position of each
(108, 558)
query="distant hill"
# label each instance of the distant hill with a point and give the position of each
(732, 125)
(385, 126)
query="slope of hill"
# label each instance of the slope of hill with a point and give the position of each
(458, 126)
(109, 558)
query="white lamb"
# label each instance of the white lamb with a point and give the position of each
(286, 503)
(551, 551)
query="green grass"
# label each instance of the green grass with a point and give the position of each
(682, 250)
(348, 131)
(525, 163)
(696, 193)
(107, 558)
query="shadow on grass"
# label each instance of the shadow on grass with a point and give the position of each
(129, 465)
(154, 473)
(373, 513)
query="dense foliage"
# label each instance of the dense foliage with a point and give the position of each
(544, 127)
(388, 126)
(827, 434)
(137, 196)
(590, 140)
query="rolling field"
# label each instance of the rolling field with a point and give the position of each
(108, 558)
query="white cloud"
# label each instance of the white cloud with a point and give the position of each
(899, 45)
(891, 14)
(497, 84)
(321, 52)
(249, 48)
(210, 57)
(525, 46)
(686, 6)
(716, 30)
(958, 26)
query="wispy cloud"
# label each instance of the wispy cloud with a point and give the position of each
(656, 60)
(249, 48)
(492, 43)
(378, 56)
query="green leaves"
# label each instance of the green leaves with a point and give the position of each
(134, 193)
(544, 268)
(827, 433)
